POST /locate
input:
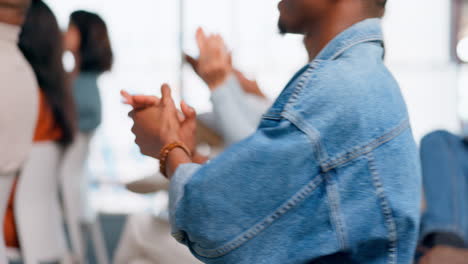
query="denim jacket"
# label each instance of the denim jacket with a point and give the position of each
(331, 175)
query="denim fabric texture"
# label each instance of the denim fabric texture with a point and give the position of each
(331, 175)
(444, 159)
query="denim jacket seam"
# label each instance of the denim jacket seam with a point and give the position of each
(357, 151)
(299, 197)
(387, 212)
(289, 114)
(354, 43)
(310, 132)
(335, 211)
(272, 116)
(305, 80)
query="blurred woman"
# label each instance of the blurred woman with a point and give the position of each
(41, 43)
(88, 39)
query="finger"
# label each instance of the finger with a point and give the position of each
(166, 98)
(189, 113)
(230, 59)
(127, 97)
(192, 61)
(240, 77)
(180, 117)
(143, 101)
(201, 39)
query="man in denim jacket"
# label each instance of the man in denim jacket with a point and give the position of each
(330, 176)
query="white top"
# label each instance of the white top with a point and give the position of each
(18, 102)
(237, 114)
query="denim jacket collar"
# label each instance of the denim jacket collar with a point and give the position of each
(365, 31)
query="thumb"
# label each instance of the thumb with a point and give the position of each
(189, 113)
(201, 39)
(166, 98)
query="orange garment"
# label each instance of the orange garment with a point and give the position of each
(46, 130)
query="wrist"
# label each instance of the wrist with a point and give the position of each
(199, 158)
(166, 151)
(176, 158)
(219, 80)
(169, 140)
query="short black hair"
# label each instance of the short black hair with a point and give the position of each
(95, 54)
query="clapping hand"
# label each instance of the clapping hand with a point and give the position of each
(214, 63)
(157, 122)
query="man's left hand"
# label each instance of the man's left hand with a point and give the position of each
(159, 123)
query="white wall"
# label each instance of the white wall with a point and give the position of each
(418, 40)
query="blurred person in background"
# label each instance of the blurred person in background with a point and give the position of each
(332, 157)
(444, 225)
(18, 109)
(87, 38)
(238, 103)
(41, 43)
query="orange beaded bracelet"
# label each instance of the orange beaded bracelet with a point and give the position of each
(165, 153)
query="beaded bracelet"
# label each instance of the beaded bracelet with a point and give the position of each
(165, 153)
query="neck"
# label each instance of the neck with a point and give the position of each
(320, 33)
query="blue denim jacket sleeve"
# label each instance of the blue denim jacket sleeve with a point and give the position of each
(237, 113)
(218, 207)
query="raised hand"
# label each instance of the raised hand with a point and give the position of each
(249, 86)
(214, 63)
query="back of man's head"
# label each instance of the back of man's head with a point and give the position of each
(13, 11)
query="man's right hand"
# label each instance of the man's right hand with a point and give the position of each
(214, 63)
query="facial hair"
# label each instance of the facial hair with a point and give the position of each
(282, 28)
